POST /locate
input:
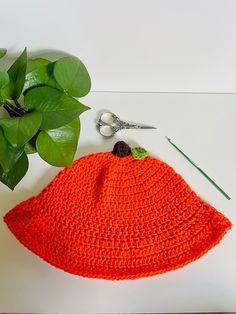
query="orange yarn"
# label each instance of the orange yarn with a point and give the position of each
(117, 218)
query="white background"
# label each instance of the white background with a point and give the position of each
(132, 45)
(161, 46)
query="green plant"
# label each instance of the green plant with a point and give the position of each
(43, 113)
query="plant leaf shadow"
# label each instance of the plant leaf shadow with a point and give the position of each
(51, 54)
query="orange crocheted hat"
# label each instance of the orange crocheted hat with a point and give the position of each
(119, 215)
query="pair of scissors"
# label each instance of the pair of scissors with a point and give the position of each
(108, 124)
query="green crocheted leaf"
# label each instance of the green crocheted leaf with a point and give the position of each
(139, 153)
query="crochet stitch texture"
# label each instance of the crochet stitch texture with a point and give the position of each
(117, 218)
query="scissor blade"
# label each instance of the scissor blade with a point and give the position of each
(146, 127)
(137, 126)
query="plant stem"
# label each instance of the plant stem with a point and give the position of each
(10, 111)
(19, 106)
(17, 103)
(13, 111)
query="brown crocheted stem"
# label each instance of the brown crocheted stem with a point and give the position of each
(121, 149)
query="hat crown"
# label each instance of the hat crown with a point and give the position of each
(117, 218)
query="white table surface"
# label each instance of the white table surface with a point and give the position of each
(203, 125)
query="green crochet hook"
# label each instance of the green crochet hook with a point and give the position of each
(199, 169)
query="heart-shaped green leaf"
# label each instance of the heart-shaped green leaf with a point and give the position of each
(58, 146)
(56, 107)
(17, 77)
(8, 153)
(42, 75)
(20, 130)
(18, 171)
(3, 51)
(71, 74)
(35, 63)
(4, 77)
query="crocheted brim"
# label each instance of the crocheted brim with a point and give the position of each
(117, 218)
